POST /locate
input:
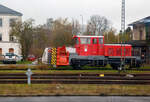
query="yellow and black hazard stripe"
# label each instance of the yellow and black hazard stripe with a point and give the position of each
(54, 56)
(49, 55)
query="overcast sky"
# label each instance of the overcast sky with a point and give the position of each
(40, 10)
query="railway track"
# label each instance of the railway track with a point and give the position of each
(143, 79)
(103, 69)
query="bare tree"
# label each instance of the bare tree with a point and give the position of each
(24, 34)
(110, 36)
(75, 27)
(49, 24)
(61, 33)
(40, 40)
(97, 25)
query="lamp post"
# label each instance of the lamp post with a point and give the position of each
(82, 23)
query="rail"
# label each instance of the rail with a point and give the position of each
(134, 79)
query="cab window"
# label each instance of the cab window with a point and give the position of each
(85, 40)
(88, 40)
(76, 41)
(100, 40)
(94, 41)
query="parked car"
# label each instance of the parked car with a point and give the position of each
(19, 58)
(31, 58)
(10, 58)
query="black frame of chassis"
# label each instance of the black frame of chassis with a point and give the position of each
(115, 61)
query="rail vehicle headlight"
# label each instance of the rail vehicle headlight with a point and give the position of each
(85, 49)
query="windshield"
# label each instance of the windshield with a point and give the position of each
(10, 54)
(85, 40)
(100, 40)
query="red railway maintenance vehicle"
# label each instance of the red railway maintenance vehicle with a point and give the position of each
(91, 50)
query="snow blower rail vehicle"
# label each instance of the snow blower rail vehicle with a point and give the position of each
(91, 50)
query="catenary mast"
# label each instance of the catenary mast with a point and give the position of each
(123, 16)
(122, 31)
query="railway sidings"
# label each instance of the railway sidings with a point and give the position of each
(138, 79)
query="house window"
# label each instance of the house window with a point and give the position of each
(1, 22)
(11, 38)
(0, 37)
(11, 50)
(141, 33)
(147, 32)
(0, 51)
(12, 21)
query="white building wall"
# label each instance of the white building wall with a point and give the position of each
(5, 44)
(5, 29)
(136, 32)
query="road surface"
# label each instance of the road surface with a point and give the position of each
(75, 99)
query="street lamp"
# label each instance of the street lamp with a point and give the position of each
(82, 23)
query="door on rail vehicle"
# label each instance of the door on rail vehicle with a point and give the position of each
(85, 46)
(77, 45)
(94, 46)
(101, 46)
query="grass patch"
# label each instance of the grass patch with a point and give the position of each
(62, 89)
(24, 67)
(57, 71)
(73, 72)
(146, 66)
(27, 64)
(24, 62)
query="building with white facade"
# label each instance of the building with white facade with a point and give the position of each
(7, 43)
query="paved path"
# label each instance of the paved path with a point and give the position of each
(74, 99)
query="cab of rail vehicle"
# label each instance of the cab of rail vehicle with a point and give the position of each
(89, 45)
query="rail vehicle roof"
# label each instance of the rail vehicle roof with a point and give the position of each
(118, 44)
(89, 36)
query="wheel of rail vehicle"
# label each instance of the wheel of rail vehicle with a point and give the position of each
(114, 67)
(137, 66)
(76, 67)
